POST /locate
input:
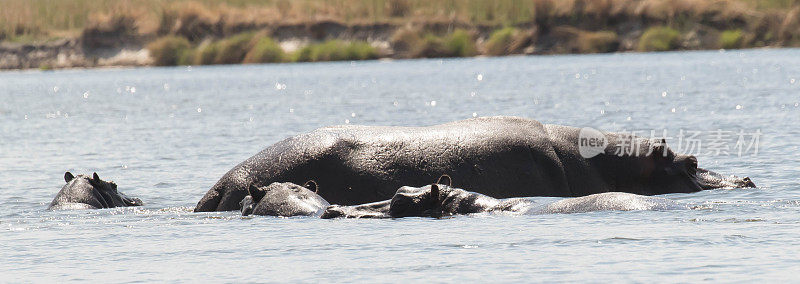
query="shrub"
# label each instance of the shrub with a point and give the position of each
(206, 54)
(169, 50)
(594, 42)
(659, 39)
(499, 43)
(232, 50)
(303, 54)
(265, 51)
(404, 41)
(334, 50)
(429, 46)
(360, 50)
(730, 39)
(460, 44)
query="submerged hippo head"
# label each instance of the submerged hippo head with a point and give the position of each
(416, 201)
(82, 192)
(437, 200)
(663, 171)
(283, 199)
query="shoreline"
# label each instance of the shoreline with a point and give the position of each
(380, 59)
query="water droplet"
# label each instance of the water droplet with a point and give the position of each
(672, 110)
(279, 86)
(683, 77)
(352, 114)
(433, 103)
(347, 121)
(664, 94)
(133, 89)
(472, 94)
(628, 118)
(395, 103)
(474, 114)
(480, 77)
(166, 86)
(602, 111)
(199, 109)
(577, 75)
(796, 104)
(791, 81)
(55, 89)
(26, 117)
(124, 166)
(291, 110)
(738, 106)
(251, 119)
(86, 95)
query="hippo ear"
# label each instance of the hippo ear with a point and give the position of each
(95, 176)
(435, 193)
(660, 148)
(68, 176)
(312, 186)
(256, 193)
(449, 180)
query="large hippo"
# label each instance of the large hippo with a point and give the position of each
(497, 156)
(83, 192)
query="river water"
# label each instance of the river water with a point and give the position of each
(166, 135)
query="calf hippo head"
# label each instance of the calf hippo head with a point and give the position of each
(416, 201)
(663, 171)
(283, 199)
(82, 192)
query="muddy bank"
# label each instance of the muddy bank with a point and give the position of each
(115, 46)
(69, 53)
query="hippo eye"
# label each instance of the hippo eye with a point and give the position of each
(691, 166)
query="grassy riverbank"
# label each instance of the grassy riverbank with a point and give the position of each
(248, 31)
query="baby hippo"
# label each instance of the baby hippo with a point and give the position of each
(283, 199)
(441, 200)
(82, 192)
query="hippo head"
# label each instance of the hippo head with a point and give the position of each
(417, 201)
(91, 192)
(663, 171)
(283, 199)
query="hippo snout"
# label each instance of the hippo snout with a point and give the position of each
(333, 211)
(747, 182)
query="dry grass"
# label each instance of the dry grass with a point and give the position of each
(190, 18)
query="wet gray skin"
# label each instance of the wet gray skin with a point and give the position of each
(82, 192)
(283, 199)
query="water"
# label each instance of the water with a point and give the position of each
(166, 135)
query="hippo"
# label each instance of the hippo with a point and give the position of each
(283, 199)
(502, 157)
(438, 200)
(82, 192)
